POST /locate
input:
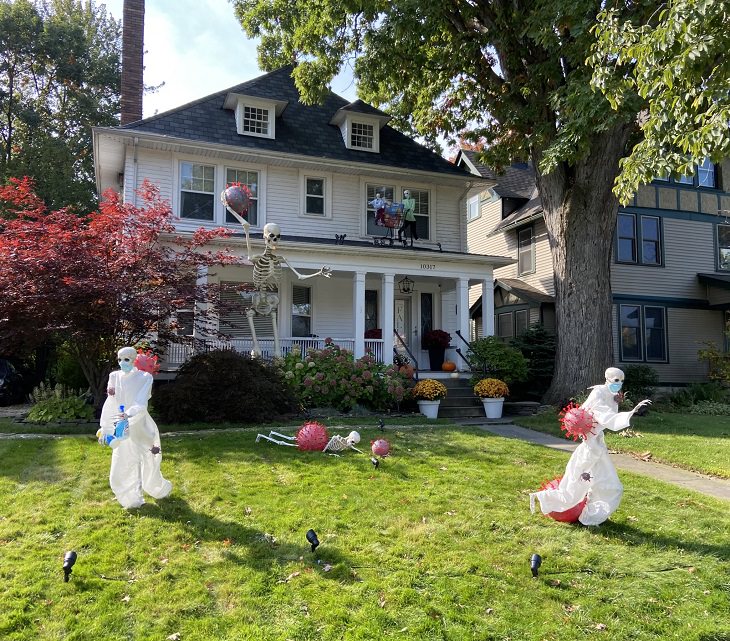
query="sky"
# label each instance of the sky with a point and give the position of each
(197, 47)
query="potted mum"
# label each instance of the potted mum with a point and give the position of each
(436, 341)
(428, 394)
(492, 392)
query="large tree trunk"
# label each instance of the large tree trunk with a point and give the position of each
(580, 213)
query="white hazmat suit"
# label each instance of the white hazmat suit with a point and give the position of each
(136, 458)
(590, 473)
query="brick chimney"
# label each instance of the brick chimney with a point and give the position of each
(132, 64)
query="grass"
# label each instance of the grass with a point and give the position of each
(690, 441)
(435, 544)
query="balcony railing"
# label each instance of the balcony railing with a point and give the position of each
(178, 353)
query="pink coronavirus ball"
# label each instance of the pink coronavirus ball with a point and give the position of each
(566, 516)
(576, 422)
(238, 198)
(312, 437)
(147, 362)
(381, 447)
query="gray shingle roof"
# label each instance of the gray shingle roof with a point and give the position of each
(515, 182)
(530, 210)
(300, 129)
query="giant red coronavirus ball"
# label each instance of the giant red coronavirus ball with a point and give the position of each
(381, 447)
(312, 437)
(576, 422)
(238, 198)
(566, 516)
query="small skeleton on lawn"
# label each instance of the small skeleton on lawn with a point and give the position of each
(313, 437)
(267, 267)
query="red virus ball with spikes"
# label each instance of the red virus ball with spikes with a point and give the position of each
(566, 516)
(576, 422)
(146, 361)
(237, 196)
(381, 447)
(312, 437)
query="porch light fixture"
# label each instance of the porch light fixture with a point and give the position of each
(405, 286)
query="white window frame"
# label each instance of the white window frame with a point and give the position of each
(264, 105)
(180, 190)
(326, 196)
(358, 119)
(310, 316)
(472, 209)
(397, 189)
(528, 248)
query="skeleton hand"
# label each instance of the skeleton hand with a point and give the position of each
(326, 271)
(641, 404)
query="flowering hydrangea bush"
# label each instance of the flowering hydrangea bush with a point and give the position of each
(331, 377)
(429, 389)
(491, 388)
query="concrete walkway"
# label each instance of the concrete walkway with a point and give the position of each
(711, 486)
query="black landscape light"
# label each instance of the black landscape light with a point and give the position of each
(535, 563)
(312, 538)
(68, 562)
(381, 425)
(375, 462)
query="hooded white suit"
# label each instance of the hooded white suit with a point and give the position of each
(136, 460)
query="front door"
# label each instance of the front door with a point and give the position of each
(402, 322)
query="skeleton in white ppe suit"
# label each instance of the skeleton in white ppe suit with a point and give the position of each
(136, 458)
(590, 473)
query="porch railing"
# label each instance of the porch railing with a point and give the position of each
(178, 353)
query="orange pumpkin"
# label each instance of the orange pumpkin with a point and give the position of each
(449, 366)
(407, 370)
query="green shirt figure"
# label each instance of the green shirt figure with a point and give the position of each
(409, 217)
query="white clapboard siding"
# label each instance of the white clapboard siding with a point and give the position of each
(332, 306)
(233, 319)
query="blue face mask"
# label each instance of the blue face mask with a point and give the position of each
(615, 388)
(126, 366)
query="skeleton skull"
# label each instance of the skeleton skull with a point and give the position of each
(272, 234)
(125, 358)
(406, 194)
(614, 379)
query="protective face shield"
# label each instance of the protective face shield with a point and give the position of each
(125, 358)
(614, 379)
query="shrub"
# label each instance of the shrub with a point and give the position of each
(491, 356)
(717, 360)
(68, 370)
(710, 408)
(537, 345)
(436, 338)
(224, 385)
(640, 381)
(429, 389)
(491, 388)
(331, 377)
(59, 403)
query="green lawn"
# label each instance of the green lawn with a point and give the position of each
(690, 441)
(435, 544)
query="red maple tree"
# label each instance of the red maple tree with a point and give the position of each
(100, 282)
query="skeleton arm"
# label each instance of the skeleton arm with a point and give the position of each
(246, 226)
(325, 271)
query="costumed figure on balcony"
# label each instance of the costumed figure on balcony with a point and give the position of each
(129, 430)
(589, 491)
(409, 217)
(378, 204)
(267, 267)
(313, 437)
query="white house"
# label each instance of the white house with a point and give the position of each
(314, 170)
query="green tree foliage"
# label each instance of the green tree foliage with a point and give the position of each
(677, 63)
(538, 347)
(506, 74)
(59, 76)
(490, 357)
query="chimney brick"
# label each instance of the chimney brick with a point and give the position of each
(132, 60)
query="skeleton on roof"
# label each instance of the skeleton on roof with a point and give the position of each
(267, 267)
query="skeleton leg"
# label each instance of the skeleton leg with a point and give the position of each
(277, 348)
(273, 440)
(256, 351)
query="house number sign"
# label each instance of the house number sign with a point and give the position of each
(428, 266)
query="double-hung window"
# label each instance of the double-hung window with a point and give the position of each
(472, 208)
(705, 176)
(251, 180)
(525, 251)
(314, 196)
(301, 311)
(643, 333)
(723, 247)
(422, 211)
(639, 241)
(197, 187)
(255, 121)
(362, 135)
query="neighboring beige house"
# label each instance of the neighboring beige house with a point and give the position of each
(670, 273)
(315, 171)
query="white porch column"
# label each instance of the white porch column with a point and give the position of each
(487, 308)
(386, 305)
(358, 313)
(201, 309)
(462, 316)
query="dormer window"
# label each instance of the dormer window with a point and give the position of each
(360, 126)
(362, 136)
(255, 116)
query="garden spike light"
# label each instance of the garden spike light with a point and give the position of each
(312, 538)
(68, 562)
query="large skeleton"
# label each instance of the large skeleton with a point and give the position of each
(267, 272)
(334, 446)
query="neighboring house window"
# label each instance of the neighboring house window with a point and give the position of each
(301, 315)
(705, 176)
(521, 322)
(422, 211)
(371, 309)
(640, 245)
(386, 193)
(472, 208)
(723, 247)
(251, 180)
(314, 196)
(511, 324)
(362, 136)
(643, 333)
(197, 186)
(525, 251)
(505, 325)
(255, 120)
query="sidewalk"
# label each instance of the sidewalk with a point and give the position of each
(718, 488)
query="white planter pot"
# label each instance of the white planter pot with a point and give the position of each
(493, 407)
(430, 409)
